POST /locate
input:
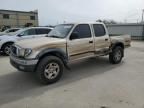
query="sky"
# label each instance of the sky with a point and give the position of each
(52, 12)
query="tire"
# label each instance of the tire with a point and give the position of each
(49, 70)
(6, 49)
(116, 55)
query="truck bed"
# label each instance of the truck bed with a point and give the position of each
(126, 39)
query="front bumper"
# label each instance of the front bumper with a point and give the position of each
(25, 65)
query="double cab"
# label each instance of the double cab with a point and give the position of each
(66, 43)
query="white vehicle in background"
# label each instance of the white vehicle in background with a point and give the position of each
(11, 30)
(27, 33)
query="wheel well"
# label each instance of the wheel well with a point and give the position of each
(119, 44)
(6, 44)
(54, 53)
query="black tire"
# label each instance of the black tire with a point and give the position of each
(41, 68)
(6, 49)
(113, 56)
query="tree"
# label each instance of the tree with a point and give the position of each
(107, 21)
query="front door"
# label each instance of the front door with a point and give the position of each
(82, 46)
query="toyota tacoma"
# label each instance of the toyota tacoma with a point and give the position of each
(47, 56)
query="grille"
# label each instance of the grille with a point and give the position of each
(14, 50)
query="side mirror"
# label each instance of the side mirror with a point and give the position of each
(74, 36)
(20, 35)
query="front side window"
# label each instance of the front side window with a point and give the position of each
(60, 31)
(83, 31)
(99, 30)
(28, 32)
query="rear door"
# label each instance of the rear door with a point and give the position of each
(101, 38)
(83, 45)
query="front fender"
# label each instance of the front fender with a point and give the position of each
(54, 51)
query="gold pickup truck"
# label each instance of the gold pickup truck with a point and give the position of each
(66, 43)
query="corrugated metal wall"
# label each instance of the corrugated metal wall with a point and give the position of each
(135, 30)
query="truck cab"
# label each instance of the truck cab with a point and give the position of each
(88, 40)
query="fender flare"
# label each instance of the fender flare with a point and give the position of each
(118, 44)
(56, 52)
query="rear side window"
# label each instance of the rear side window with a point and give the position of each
(83, 31)
(99, 30)
(42, 31)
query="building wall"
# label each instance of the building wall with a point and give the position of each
(18, 18)
(135, 30)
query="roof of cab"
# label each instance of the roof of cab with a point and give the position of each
(85, 23)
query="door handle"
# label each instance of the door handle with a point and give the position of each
(90, 41)
(106, 39)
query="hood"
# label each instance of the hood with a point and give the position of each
(42, 42)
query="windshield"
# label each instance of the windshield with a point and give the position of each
(6, 31)
(61, 31)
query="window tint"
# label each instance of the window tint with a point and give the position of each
(99, 30)
(83, 31)
(42, 31)
(29, 32)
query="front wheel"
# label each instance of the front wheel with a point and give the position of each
(6, 48)
(49, 70)
(116, 55)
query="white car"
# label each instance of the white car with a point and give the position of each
(11, 30)
(27, 33)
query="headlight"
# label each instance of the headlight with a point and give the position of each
(25, 52)
(28, 51)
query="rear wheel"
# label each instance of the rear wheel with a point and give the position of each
(49, 70)
(116, 55)
(6, 48)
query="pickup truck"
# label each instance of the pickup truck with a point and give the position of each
(66, 43)
(26, 33)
